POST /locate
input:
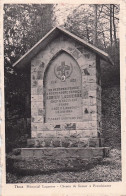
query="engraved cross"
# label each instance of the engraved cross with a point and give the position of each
(63, 68)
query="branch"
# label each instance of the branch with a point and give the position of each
(109, 15)
(100, 12)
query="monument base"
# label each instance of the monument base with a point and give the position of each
(28, 161)
(61, 153)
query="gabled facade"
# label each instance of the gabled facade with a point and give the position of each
(65, 90)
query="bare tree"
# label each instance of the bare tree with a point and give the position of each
(111, 41)
(114, 26)
(95, 24)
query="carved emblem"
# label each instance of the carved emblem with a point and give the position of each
(63, 71)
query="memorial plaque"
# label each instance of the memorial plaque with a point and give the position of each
(63, 100)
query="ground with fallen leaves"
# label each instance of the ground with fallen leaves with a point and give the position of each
(108, 170)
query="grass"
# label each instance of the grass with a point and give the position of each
(108, 170)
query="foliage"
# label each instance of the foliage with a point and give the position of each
(111, 126)
(24, 25)
(82, 22)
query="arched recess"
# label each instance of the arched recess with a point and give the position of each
(62, 84)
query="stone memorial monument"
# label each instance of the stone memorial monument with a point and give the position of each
(65, 96)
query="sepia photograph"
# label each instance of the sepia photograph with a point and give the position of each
(62, 93)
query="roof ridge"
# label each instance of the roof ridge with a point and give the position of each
(53, 32)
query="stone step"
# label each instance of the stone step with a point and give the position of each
(61, 152)
(65, 142)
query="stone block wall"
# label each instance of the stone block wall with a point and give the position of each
(89, 63)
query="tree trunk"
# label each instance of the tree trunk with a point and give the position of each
(87, 32)
(114, 27)
(111, 41)
(95, 24)
(104, 39)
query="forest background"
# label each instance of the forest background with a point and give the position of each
(25, 25)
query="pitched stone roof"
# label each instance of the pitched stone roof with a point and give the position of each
(52, 35)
